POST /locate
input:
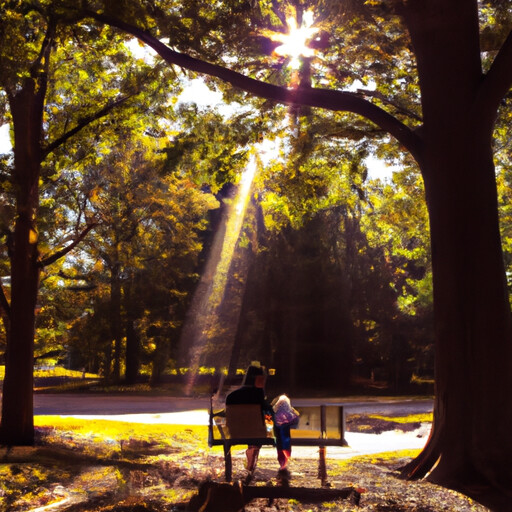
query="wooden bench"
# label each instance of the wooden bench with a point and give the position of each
(239, 424)
(321, 425)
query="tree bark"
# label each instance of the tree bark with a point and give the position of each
(132, 337)
(17, 425)
(5, 312)
(115, 319)
(472, 316)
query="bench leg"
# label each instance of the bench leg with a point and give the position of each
(228, 465)
(322, 469)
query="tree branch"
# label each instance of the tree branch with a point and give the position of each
(59, 254)
(82, 123)
(42, 63)
(63, 274)
(399, 108)
(498, 80)
(312, 97)
(78, 288)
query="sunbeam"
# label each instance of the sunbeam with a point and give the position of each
(203, 315)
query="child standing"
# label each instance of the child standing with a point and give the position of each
(285, 417)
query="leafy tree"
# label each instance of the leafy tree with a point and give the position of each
(396, 221)
(428, 53)
(503, 168)
(146, 245)
(46, 110)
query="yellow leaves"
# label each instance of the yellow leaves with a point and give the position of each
(276, 212)
(94, 196)
(204, 370)
(187, 22)
(98, 266)
(32, 237)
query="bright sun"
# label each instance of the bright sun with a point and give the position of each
(295, 42)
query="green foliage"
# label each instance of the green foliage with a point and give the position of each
(210, 148)
(504, 182)
(397, 221)
(320, 170)
(147, 243)
(94, 134)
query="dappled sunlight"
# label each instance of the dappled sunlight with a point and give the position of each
(118, 466)
(98, 462)
(197, 417)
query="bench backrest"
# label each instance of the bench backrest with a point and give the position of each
(245, 421)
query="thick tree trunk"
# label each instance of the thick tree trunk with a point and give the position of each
(470, 442)
(17, 426)
(472, 317)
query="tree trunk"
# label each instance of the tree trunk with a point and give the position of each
(17, 426)
(472, 319)
(132, 337)
(115, 319)
(470, 440)
(160, 359)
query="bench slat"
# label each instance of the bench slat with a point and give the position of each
(253, 441)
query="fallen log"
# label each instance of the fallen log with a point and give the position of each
(305, 494)
(232, 497)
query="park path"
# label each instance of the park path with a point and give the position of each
(194, 411)
(99, 404)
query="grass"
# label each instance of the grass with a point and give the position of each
(58, 371)
(116, 466)
(117, 429)
(412, 418)
(120, 435)
(345, 465)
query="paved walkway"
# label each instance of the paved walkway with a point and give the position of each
(359, 444)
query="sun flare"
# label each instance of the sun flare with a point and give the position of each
(295, 42)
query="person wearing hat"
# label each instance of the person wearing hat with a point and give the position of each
(252, 391)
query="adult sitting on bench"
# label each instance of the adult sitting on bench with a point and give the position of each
(252, 393)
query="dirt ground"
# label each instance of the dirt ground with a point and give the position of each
(72, 473)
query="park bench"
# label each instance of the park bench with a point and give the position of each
(320, 425)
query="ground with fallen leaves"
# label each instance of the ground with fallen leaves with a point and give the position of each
(73, 469)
